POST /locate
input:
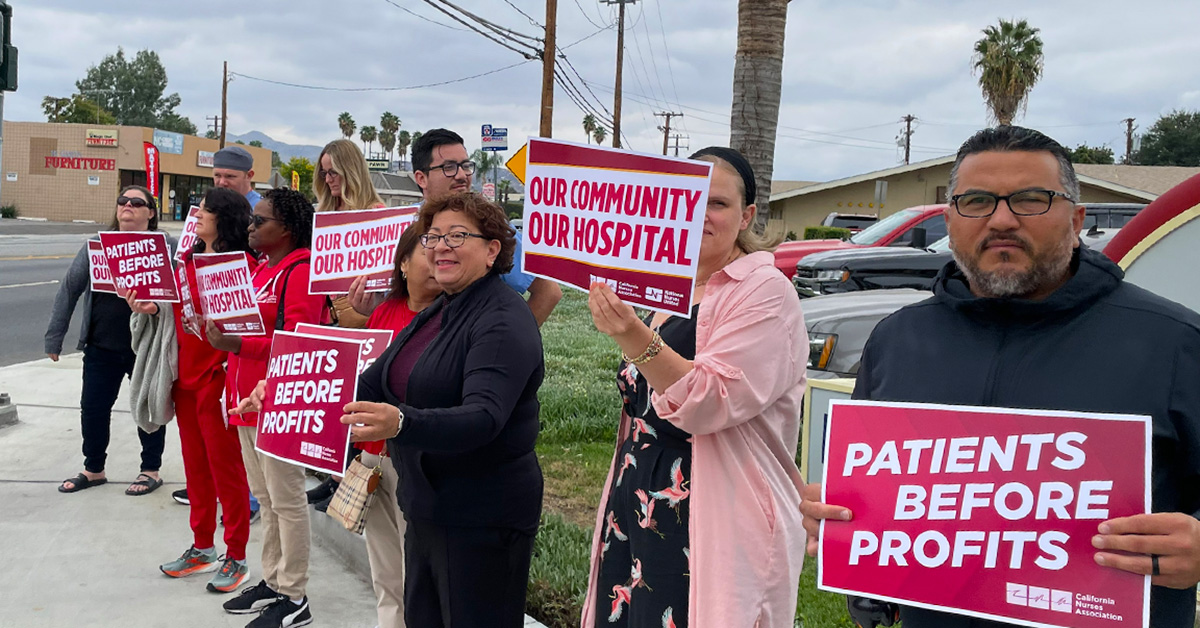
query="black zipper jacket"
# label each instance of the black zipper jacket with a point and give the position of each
(1098, 344)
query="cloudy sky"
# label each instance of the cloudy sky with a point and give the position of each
(851, 69)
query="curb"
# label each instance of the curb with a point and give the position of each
(8, 411)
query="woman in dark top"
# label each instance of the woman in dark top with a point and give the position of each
(456, 395)
(107, 352)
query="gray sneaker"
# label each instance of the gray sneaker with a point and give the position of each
(233, 574)
(192, 561)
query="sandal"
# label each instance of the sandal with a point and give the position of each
(79, 483)
(146, 482)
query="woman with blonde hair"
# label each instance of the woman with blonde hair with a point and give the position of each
(342, 180)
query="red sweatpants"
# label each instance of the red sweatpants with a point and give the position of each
(212, 464)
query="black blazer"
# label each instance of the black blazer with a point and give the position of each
(465, 451)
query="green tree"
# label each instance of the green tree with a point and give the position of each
(368, 134)
(346, 124)
(599, 134)
(589, 126)
(486, 163)
(416, 135)
(387, 141)
(304, 168)
(275, 160)
(133, 90)
(75, 109)
(1008, 59)
(1174, 140)
(403, 141)
(211, 134)
(757, 84)
(388, 123)
(256, 143)
(1084, 154)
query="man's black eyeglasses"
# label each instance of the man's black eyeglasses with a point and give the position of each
(258, 220)
(450, 168)
(1023, 203)
(454, 239)
(131, 200)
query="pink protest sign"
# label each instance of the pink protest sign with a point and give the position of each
(374, 341)
(226, 293)
(98, 269)
(141, 261)
(187, 239)
(985, 512)
(309, 380)
(350, 244)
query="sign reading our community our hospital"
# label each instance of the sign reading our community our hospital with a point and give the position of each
(987, 512)
(101, 279)
(350, 244)
(309, 380)
(629, 220)
(140, 261)
(226, 293)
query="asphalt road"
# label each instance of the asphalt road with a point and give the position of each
(31, 267)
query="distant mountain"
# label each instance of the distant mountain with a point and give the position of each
(286, 151)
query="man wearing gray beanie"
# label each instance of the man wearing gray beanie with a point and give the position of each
(233, 167)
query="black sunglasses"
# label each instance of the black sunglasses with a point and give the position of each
(131, 200)
(258, 220)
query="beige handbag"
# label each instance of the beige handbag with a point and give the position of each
(354, 495)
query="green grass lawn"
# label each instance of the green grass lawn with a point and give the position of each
(580, 411)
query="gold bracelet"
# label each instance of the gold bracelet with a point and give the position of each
(652, 350)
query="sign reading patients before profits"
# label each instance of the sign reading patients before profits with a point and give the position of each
(226, 293)
(374, 341)
(141, 261)
(98, 269)
(187, 239)
(348, 245)
(493, 138)
(309, 380)
(987, 512)
(632, 221)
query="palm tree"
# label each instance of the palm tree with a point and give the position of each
(599, 134)
(387, 141)
(403, 140)
(368, 134)
(346, 124)
(388, 123)
(416, 135)
(485, 162)
(757, 79)
(1009, 61)
(589, 126)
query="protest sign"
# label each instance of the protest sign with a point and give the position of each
(193, 323)
(98, 269)
(226, 293)
(985, 512)
(309, 380)
(374, 341)
(141, 261)
(631, 221)
(347, 245)
(187, 239)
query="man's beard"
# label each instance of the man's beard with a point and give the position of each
(1046, 268)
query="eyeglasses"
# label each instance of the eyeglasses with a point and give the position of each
(324, 174)
(454, 239)
(258, 220)
(132, 200)
(1023, 203)
(450, 168)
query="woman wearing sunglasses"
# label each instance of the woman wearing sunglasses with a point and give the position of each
(108, 355)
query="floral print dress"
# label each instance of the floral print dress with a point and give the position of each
(644, 572)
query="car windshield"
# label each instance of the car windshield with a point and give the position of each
(879, 230)
(941, 246)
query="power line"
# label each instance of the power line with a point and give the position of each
(586, 16)
(527, 16)
(418, 15)
(523, 53)
(377, 89)
(667, 53)
(503, 31)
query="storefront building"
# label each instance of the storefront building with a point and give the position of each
(74, 172)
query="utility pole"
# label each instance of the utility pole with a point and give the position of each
(224, 101)
(666, 128)
(908, 120)
(616, 132)
(214, 123)
(1128, 140)
(548, 56)
(678, 137)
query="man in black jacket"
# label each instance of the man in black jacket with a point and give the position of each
(1025, 318)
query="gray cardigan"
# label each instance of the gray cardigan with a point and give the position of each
(76, 282)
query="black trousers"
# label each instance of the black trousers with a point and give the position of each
(103, 371)
(465, 577)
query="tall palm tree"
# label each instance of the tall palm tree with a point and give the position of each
(416, 135)
(485, 162)
(346, 124)
(368, 134)
(403, 140)
(589, 126)
(387, 141)
(388, 123)
(757, 81)
(1009, 61)
(599, 134)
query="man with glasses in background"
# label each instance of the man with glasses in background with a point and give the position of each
(1025, 317)
(441, 166)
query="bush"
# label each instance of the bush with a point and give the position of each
(8, 211)
(790, 237)
(822, 233)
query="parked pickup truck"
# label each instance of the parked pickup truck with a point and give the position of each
(913, 227)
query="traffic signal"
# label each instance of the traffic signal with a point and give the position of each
(8, 52)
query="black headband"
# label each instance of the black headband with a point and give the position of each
(739, 163)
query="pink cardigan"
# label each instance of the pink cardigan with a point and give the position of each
(741, 402)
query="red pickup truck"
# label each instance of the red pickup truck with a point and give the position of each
(895, 230)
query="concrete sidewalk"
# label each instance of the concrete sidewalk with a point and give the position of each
(91, 558)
